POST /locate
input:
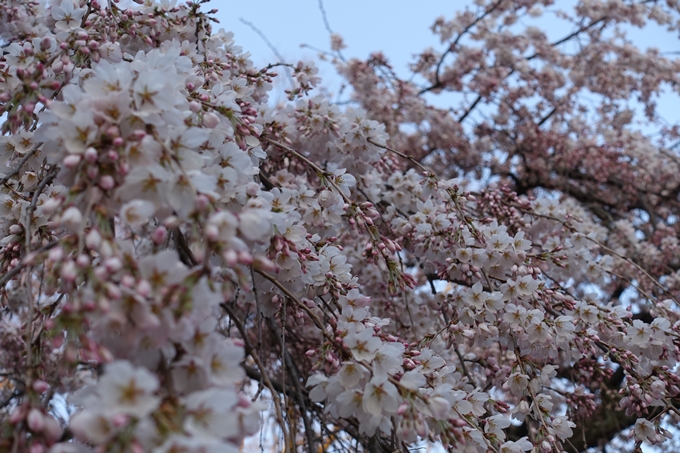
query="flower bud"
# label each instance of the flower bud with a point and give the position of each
(113, 291)
(113, 265)
(83, 261)
(263, 263)
(120, 420)
(17, 414)
(107, 182)
(159, 234)
(72, 218)
(69, 272)
(93, 239)
(144, 288)
(50, 205)
(212, 233)
(210, 120)
(71, 161)
(171, 222)
(245, 258)
(91, 155)
(35, 420)
(252, 189)
(46, 43)
(231, 258)
(40, 386)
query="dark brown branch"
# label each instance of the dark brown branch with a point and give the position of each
(185, 253)
(21, 163)
(10, 275)
(438, 83)
(469, 109)
(295, 374)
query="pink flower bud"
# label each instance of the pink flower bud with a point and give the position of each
(127, 280)
(58, 67)
(69, 272)
(107, 182)
(210, 120)
(263, 263)
(83, 261)
(159, 234)
(40, 386)
(136, 448)
(50, 205)
(104, 305)
(93, 239)
(113, 265)
(17, 414)
(120, 420)
(113, 291)
(144, 288)
(91, 155)
(421, 428)
(71, 161)
(243, 401)
(245, 257)
(56, 254)
(46, 43)
(171, 222)
(252, 189)
(202, 202)
(231, 258)
(35, 420)
(212, 233)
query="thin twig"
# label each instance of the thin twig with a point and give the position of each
(270, 45)
(315, 167)
(21, 163)
(265, 376)
(290, 366)
(15, 270)
(51, 174)
(327, 24)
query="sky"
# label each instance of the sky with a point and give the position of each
(396, 27)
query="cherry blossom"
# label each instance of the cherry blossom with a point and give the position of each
(183, 258)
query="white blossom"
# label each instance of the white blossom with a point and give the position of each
(128, 390)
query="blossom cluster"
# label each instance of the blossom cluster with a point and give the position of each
(178, 255)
